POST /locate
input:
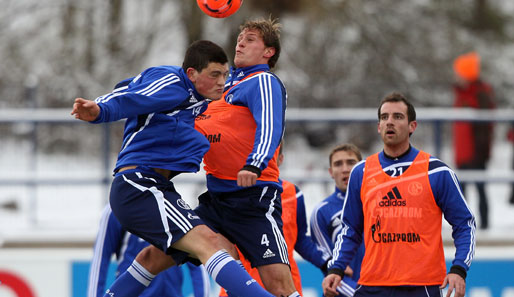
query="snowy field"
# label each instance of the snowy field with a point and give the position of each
(70, 213)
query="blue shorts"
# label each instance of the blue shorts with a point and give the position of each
(147, 205)
(398, 291)
(252, 219)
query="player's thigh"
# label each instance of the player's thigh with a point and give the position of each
(202, 242)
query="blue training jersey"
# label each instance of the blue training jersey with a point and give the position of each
(113, 239)
(326, 224)
(160, 106)
(446, 191)
(266, 98)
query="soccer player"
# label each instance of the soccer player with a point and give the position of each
(326, 216)
(295, 232)
(245, 129)
(160, 142)
(113, 239)
(394, 203)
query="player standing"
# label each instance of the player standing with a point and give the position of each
(395, 202)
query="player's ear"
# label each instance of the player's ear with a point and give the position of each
(269, 52)
(192, 74)
(412, 126)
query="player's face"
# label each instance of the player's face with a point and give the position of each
(250, 49)
(394, 126)
(340, 167)
(210, 81)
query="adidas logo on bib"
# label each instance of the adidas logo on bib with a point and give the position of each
(268, 254)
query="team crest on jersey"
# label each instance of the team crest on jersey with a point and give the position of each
(415, 188)
(183, 204)
(229, 98)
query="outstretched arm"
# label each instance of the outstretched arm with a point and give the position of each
(85, 110)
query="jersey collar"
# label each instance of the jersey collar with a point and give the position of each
(237, 74)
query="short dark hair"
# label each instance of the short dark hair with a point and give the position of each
(270, 33)
(398, 97)
(347, 147)
(202, 52)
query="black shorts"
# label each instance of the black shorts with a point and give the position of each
(251, 218)
(398, 291)
(147, 205)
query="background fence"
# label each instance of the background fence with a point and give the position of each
(57, 170)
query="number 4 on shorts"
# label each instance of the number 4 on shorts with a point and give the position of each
(264, 240)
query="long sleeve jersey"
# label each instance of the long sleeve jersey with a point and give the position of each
(326, 225)
(160, 106)
(113, 239)
(448, 197)
(265, 97)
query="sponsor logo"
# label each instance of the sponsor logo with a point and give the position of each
(192, 217)
(15, 284)
(183, 204)
(192, 98)
(375, 228)
(268, 254)
(401, 212)
(386, 237)
(392, 198)
(241, 74)
(213, 138)
(202, 117)
(108, 292)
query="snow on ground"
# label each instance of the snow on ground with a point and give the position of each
(72, 212)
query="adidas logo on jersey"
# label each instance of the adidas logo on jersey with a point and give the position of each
(393, 198)
(268, 254)
(241, 74)
(192, 98)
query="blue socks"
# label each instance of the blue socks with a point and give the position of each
(229, 274)
(221, 266)
(131, 282)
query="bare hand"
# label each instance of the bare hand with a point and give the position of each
(85, 110)
(456, 282)
(329, 285)
(246, 178)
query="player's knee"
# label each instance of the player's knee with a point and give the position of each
(154, 260)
